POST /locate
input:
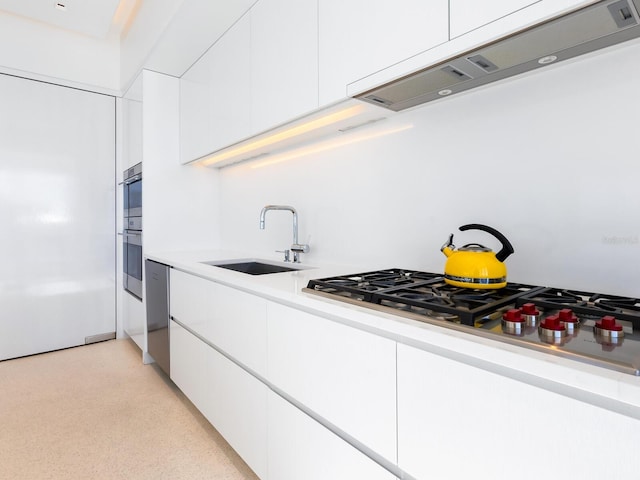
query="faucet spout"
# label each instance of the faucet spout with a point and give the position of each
(296, 247)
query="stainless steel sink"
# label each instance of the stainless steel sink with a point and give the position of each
(252, 267)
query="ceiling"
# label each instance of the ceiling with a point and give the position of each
(95, 18)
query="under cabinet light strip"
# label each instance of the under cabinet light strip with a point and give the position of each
(285, 134)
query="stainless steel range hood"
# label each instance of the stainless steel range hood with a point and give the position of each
(598, 26)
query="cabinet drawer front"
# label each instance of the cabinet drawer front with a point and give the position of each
(443, 403)
(345, 375)
(188, 364)
(237, 407)
(188, 300)
(300, 448)
(237, 325)
(233, 321)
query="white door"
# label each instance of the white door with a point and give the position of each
(57, 216)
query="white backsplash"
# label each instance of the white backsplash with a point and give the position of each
(550, 159)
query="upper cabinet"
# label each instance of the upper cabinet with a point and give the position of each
(467, 15)
(360, 37)
(284, 61)
(214, 95)
(285, 65)
(262, 72)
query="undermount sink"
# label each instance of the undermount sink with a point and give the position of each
(252, 267)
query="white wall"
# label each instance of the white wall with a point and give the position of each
(43, 52)
(549, 159)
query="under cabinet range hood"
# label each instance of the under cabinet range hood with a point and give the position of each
(598, 26)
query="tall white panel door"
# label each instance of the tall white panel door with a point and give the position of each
(57, 216)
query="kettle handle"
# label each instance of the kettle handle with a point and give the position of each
(507, 248)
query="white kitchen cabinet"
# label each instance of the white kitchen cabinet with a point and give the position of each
(237, 406)
(233, 321)
(215, 100)
(134, 321)
(189, 300)
(301, 448)
(343, 374)
(467, 15)
(233, 401)
(358, 38)
(284, 61)
(502, 428)
(188, 368)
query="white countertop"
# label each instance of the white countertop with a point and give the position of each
(612, 390)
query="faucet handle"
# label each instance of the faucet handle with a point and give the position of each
(300, 248)
(286, 254)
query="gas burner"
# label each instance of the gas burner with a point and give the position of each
(362, 286)
(467, 305)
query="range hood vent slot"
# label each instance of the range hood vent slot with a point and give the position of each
(592, 28)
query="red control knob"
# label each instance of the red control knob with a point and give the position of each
(530, 314)
(529, 309)
(570, 321)
(553, 323)
(566, 315)
(609, 323)
(608, 332)
(513, 315)
(552, 330)
(512, 322)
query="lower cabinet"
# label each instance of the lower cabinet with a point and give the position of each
(502, 428)
(233, 401)
(344, 375)
(300, 448)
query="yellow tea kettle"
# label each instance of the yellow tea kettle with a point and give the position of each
(474, 265)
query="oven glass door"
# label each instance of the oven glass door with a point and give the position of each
(133, 197)
(132, 262)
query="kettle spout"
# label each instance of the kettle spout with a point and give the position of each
(447, 247)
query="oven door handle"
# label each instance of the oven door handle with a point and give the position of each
(133, 179)
(127, 234)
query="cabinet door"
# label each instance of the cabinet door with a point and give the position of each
(233, 321)
(506, 429)
(284, 61)
(360, 37)
(236, 405)
(237, 324)
(466, 15)
(233, 401)
(189, 301)
(215, 100)
(345, 375)
(188, 364)
(301, 448)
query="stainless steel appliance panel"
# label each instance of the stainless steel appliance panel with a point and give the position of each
(157, 292)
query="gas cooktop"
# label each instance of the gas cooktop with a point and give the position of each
(599, 329)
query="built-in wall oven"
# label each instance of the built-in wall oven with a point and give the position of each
(132, 234)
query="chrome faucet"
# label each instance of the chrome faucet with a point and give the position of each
(296, 248)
